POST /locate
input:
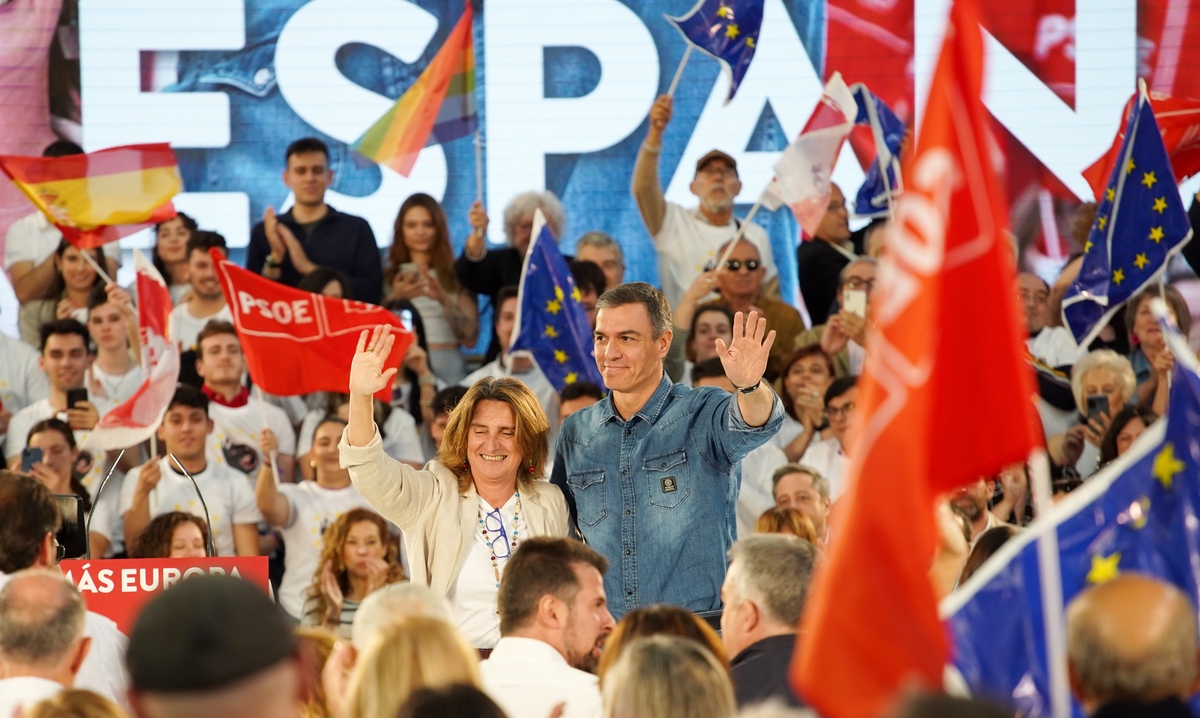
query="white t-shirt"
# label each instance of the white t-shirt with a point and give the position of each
(114, 388)
(228, 495)
(527, 678)
(473, 595)
(311, 510)
(789, 432)
(757, 494)
(828, 459)
(25, 692)
(33, 239)
(401, 440)
(106, 515)
(183, 326)
(1055, 346)
(92, 466)
(22, 381)
(687, 242)
(234, 439)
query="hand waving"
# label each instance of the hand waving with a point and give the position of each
(745, 359)
(367, 374)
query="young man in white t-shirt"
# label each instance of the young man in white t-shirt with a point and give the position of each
(206, 300)
(238, 418)
(158, 486)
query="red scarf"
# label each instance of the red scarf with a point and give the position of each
(239, 399)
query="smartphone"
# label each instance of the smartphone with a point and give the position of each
(406, 319)
(1096, 403)
(855, 301)
(74, 396)
(408, 269)
(30, 456)
(72, 537)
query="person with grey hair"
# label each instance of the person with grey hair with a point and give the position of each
(393, 602)
(605, 252)
(800, 487)
(654, 460)
(764, 594)
(844, 336)
(667, 676)
(42, 645)
(485, 271)
(1102, 382)
(687, 240)
(1131, 649)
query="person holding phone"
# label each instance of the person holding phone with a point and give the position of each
(844, 336)
(1103, 383)
(740, 282)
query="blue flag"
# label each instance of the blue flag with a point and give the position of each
(552, 324)
(1140, 222)
(888, 131)
(727, 30)
(1136, 515)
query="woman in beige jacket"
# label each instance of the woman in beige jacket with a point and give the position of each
(466, 512)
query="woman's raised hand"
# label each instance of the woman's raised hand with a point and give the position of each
(367, 375)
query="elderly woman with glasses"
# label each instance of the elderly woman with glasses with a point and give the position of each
(468, 509)
(828, 456)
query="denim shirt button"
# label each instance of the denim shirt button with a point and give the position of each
(627, 552)
(262, 77)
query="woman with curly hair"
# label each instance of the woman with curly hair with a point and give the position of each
(172, 535)
(359, 557)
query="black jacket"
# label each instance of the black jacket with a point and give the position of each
(760, 672)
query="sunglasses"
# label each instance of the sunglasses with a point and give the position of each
(735, 264)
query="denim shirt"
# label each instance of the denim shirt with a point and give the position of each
(656, 494)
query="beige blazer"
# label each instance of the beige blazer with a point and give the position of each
(437, 520)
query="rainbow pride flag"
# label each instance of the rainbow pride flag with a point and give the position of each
(439, 107)
(101, 196)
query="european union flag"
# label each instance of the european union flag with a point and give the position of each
(551, 322)
(888, 132)
(727, 30)
(1140, 222)
(1136, 515)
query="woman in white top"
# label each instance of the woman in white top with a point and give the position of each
(68, 294)
(464, 514)
(803, 378)
(171, 255)
(115, 373)
(421, 270)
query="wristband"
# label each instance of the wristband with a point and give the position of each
(749, 389)
(652, 149)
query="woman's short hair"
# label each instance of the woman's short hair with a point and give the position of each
(666, 676)
(528, 417)
(413, 652)
(1103, 359)
(1108, 444)
(809, 350)
(155, 540)
(786, 520)
(525, 203)
(660, 620)
(1175, 300)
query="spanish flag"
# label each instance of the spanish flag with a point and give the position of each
(439, 107)
(100, 197)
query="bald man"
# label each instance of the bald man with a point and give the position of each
(1131, 649)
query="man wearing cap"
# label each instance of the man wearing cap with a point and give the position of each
(213, 646)
(687, 240)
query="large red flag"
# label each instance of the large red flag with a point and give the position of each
(945, 399)
(138, 418)
(297, 342)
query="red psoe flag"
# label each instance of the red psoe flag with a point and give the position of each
(297, 342)
(945, 400)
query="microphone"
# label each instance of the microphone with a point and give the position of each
(210, 548)
(96, 502)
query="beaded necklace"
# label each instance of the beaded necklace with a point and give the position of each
(512, 544)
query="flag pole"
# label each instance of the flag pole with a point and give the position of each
(262, 413)
(1052, 594)
(478, 166)
(87, 256)
(679, 70)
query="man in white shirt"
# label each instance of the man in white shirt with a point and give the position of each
(158, 486)
(828, 457)
(42, 646)
(29, 519)
(238, 418)
(22, 381)
(65, 356)
(1053, 346)
(206, 300)
(554, 620)
(687, 240)
(519, 367)
(31, 240)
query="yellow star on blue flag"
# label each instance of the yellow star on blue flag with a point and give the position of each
(726, 30)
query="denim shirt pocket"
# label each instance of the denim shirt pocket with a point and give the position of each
(667, 479)
(587, 488)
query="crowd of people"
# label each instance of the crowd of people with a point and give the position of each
(485, 544)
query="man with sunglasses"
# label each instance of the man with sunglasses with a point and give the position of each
(687, 240)
(740, 282)
(844, 336)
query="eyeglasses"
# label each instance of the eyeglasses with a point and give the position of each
(833, 412)
(859, 283)
(494, 523)
(751, 265)
(59, 550)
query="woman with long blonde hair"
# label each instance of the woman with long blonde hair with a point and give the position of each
(667, 676)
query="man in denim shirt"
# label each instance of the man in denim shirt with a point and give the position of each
(651, 472)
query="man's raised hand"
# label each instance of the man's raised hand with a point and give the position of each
(745, 359)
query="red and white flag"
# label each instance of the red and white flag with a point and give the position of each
(926, 423)
(297, 342)
(1179, 122)
(138, 418)
(803, 175)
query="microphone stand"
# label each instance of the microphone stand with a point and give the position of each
(210, 549)
(88, 529)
